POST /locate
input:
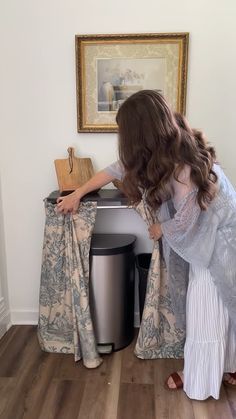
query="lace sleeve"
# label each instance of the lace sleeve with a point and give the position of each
(191, 232)
(185, 218)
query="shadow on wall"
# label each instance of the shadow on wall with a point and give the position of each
(4, 300)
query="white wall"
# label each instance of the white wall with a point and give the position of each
(38, 104)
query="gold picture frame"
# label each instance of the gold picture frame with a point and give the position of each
(109, 68)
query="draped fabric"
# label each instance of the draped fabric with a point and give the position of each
(65, 323)
(159, 336)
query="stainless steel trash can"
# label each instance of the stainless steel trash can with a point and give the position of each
(111, 291)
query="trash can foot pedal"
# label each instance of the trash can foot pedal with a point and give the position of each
(104, 349)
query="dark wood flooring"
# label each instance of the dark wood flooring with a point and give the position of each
(39, 385)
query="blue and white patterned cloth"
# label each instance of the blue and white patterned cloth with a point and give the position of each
(65, 323)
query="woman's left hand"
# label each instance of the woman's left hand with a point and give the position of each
(155, 231)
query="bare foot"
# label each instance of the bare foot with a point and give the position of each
(227, 377)
(170, 381)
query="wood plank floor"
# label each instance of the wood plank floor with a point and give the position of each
(39, 385)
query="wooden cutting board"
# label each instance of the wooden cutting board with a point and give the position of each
(73, 172)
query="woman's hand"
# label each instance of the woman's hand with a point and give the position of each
(155, 231)
(68, 203)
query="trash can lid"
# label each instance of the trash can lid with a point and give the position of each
(111, 244)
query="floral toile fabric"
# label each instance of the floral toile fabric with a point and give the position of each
(65, 323)
(159, 336)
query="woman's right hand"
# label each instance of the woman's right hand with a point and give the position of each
(68, 203)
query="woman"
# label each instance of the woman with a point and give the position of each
(170, 164)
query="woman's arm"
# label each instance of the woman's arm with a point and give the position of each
(70, 203)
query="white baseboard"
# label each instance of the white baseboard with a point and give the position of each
(5, 320)
(24, 316)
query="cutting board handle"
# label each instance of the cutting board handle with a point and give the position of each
(71, 153)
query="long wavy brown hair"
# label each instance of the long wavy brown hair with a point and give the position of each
(154, 146)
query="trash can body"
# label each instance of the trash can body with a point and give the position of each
(112, 264)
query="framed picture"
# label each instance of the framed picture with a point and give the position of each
(110, 68)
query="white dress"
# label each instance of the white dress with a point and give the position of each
(210, 347)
